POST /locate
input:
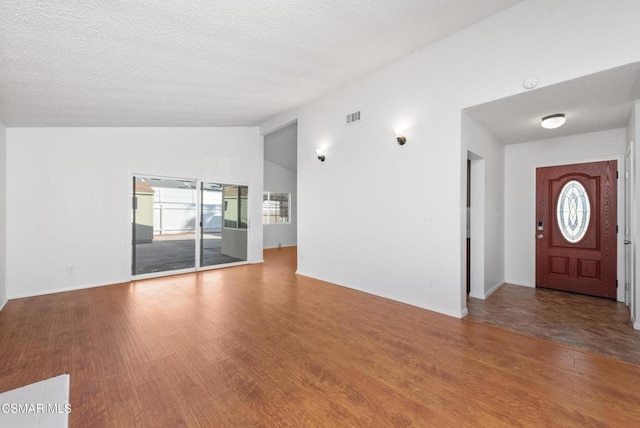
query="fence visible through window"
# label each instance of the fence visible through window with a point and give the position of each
(275, 208)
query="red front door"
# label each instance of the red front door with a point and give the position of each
(576, 228)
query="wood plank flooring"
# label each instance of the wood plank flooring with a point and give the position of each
(257, 345)
(590, 323)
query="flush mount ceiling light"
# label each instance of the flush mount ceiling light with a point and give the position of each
(553, 121)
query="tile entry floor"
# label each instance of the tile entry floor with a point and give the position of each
(589, 323)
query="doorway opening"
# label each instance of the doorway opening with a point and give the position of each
(475, 225)
(280, 197)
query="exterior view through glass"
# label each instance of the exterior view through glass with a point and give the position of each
(168, 215)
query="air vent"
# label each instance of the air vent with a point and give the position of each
(353, 117)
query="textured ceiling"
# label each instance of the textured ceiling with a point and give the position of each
(591, 103)
(201, 62)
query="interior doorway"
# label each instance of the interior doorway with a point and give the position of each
(280, 191)
(476, 225)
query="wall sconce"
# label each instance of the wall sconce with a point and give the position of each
(400, 138)
(320, 154)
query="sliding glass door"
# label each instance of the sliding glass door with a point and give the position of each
(223, 236)
(169, 214)
(164, 224)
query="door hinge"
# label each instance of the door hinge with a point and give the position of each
(617, 174)
(616, 228)
(616, 283)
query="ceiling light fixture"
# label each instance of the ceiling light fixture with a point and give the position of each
(553, 121)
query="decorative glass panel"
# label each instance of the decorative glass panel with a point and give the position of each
(574, 211)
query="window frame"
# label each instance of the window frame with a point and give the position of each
(268, 207)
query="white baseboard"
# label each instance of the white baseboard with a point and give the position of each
(256, 262)
(35, 293)
(477, 295)
(283, 246)
(421, 305)
(636, 325)
(464, 313)
(486, 294)
(2, 303)
(493, 289)
(520, 283)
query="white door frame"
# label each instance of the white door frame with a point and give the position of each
(629, 231)
(476, 220)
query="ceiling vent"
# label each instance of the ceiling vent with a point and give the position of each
(353, 117)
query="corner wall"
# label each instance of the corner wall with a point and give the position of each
(521, 161)
(490, 233)
(69, 195)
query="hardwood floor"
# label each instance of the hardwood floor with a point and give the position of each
(596, 325)
(258, 345)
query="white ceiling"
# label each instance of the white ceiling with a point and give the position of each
(591, 103)
(202, 63)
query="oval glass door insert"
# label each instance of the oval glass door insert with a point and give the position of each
(574, 211)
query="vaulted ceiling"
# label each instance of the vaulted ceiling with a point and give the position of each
(202, 63)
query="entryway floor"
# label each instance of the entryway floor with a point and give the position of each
(592, 324)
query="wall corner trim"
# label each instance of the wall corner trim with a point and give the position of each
(2, 303)
(519, 283)
(477, 295)
(493, 289)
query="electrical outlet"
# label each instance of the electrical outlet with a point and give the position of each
(430, 283)
(71, 268)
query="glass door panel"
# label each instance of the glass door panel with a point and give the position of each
(164, 224)
(223, 237)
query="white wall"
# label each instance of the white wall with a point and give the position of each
(633, 131)
(390, 220)
(69, 195)
(281, 180)
(487, 240)
(281, 147)
(3, 214)
(521, 161)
